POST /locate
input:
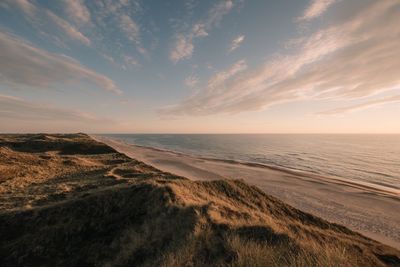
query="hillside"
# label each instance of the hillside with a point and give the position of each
(68, 200)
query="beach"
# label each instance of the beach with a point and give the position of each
(362, 208)
(70, 200)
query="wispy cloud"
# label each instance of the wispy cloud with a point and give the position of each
(221, 77)
(25, 65)
(183, 44)
(15, 108)
(353, 58)
(130, 62)
(210, 95)
(191, 81)
(95, 26)
(199, 30)
(37, 14)
(25, 5)
(130, 28)
(183, 48)
(121, 16)
(236, 43)
(217, 12)
(70, 30)
(77, 10)
(20, 115)
(315, 9)
(365, 105)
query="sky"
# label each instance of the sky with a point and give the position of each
(200, 66)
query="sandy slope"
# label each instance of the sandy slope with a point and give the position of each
(367, 210)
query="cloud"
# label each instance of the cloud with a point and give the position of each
(115, 7)
(13, 108)
(199, 30)
(70, 30)
(35, 16)
(217, 12)
(25, 5)
(77, 10)
(122, 13)
(191, 81)
(222, 76)
(95, 27)
(132, 32)
(130, 28)
(19, 115)
(353, 58)
(129, 62)
(210, 94)
(236, 43)
(315, 9)
(23, 64)
(365, 105)
(183, 46)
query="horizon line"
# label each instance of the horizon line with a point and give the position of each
(200, 133)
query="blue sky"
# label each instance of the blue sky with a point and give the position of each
(236, 66)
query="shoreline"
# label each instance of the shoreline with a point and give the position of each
(68, 199)
(360, 207)
(385, 190)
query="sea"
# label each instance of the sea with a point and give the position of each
(373, 160)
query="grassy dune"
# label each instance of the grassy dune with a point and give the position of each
(68, 200)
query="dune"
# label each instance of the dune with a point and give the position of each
(361, 207)
(69, 200)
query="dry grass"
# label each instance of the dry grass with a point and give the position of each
(96, 207)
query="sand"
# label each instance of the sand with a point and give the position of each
(370, 211)
(68, 200)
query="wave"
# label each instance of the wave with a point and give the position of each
(376, 186)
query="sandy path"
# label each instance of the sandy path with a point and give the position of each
(373, 212)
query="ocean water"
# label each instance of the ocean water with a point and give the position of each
(368, 159)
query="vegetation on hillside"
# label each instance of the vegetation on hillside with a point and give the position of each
(67, 200)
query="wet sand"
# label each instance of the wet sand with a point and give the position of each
(370, 211)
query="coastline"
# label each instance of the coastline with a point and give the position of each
(362, 208)
(70, 200)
